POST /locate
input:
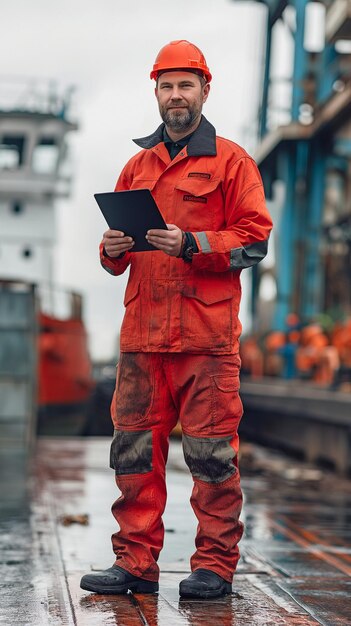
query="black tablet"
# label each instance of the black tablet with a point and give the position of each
(133, 212)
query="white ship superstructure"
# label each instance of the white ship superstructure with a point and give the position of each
(33, 152)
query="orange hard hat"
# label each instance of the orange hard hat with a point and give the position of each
(275, 340)
(180, 55)
(309, 332)
(292, 319)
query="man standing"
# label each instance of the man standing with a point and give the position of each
(179, 337)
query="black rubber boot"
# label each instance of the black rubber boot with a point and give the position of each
(204, 584)
(116, 580)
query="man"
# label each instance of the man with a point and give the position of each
(179, 337)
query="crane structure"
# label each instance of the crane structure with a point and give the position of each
(304, 155)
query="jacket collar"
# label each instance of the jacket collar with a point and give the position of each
(202, 142)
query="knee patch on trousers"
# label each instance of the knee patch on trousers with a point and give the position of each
(210, 460)
(131, 452)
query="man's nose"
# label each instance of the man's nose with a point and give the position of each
(176, 95)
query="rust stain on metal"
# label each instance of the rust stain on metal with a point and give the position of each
(67, 520)
(313, 538)
(328, 558)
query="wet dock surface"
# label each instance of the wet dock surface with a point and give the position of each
(296, 552)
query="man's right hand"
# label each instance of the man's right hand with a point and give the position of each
(115, 243)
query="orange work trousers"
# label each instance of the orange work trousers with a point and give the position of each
(153, 391)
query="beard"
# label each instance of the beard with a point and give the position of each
(180, 120)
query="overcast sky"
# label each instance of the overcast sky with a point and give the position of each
(106, 49)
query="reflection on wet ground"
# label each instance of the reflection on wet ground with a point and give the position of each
(296, 553)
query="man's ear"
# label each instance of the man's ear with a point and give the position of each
(206, 91)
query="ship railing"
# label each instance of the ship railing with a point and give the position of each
(60, 303)
(32, 95)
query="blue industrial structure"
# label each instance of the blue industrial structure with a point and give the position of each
(310, 154)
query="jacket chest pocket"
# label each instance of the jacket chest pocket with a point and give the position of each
(197, 203)
(143, 183)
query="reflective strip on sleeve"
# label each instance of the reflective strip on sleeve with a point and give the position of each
(248, 255)
(204, 242)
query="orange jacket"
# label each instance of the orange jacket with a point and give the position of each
(213, 189)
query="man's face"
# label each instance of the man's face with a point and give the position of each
(180, 97)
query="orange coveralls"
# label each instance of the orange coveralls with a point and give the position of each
(179, 348)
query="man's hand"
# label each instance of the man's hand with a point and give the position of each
(169, 241)
(115, 242)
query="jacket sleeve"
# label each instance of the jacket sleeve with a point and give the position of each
(243, 241)
(117, 265)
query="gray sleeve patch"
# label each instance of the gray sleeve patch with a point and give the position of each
(108, 269)
(131, 452)
(248, 255)
(210, 460)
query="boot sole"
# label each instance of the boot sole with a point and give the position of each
(197, 593)
(136, 587)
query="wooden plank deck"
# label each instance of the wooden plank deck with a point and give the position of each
(296, 553)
